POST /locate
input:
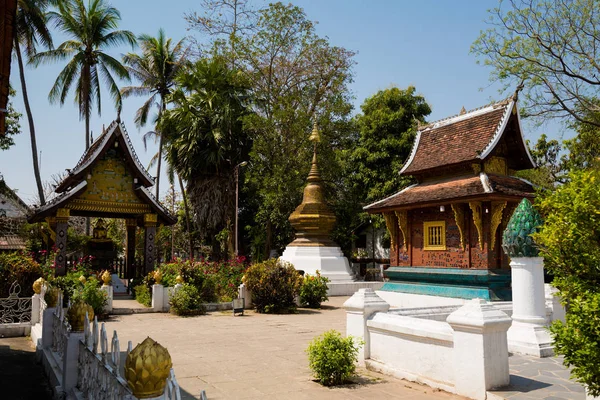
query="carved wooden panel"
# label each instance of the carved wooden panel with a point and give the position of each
(475, 207)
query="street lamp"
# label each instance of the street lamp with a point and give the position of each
(237, 196)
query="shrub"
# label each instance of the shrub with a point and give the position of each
(570, 244)
(142, 295)
(186, 301)
(91, 294)
(274, 286)
(332, 358)
(20, 268)
(313, 290)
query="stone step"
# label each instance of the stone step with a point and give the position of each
(127, 311)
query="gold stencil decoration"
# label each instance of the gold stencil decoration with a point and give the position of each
(390, 223)
(496, 165)
(475, 207)
(403, 224)
(459, 218)
(497, 208)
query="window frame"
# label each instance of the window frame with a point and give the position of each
(426, 235)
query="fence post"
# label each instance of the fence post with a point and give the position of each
(157, 297)
(480, 348)
(359, 308)
(70, 361)
(244, 293)
(35, 308)
(47, 327)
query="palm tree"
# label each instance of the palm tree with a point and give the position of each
(156, 69)
(31, 30)
(91, 30)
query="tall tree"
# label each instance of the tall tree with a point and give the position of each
(205, 140)
(91, 30)
(13, 125)
(31, 31)
(552, 47)
(155, 68)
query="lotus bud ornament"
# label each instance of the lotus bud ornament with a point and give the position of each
(76, 314)
(37, 285)
(51, 296)
(106, 277)
(82, 279)
(147, 368)
(158, 276)
(179, 279)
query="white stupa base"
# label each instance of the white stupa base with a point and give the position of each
(329, 261)
(530, 339)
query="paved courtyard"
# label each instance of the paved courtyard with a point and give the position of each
(256, 356)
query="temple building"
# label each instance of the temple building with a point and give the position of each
(446, 228)
(108, 182)
(13, 215)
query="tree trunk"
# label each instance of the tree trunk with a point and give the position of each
(187, 217)
(34, 152)
(160, 149)
(268, 240)
(86, 94)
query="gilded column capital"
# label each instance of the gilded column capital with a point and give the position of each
(63, 214)
(130, 222)
(150, 219)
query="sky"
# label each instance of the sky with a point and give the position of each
(421, 43)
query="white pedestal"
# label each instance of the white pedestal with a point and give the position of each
(528, 333)
(108, 289)
(329, 261)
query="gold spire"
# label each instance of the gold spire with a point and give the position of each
(463, 111)
(312, 219)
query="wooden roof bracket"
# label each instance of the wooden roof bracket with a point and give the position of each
(475, 207)
(403, 224)
(459, 218)
(497, 208)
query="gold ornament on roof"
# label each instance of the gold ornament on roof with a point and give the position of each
(37, 285)
(106, 277)
(147, 368)
(76, 314)
(312, 219)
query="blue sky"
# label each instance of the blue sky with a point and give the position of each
(422, 43)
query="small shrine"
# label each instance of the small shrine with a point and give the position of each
(446, 228)
(108, 182)
(313, 250)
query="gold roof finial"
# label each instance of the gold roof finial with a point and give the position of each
(463, 111)
(315, 136)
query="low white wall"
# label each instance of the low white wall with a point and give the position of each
(416, 349)
(409, 300)
(348, 289)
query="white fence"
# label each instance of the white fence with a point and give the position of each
(15, 313)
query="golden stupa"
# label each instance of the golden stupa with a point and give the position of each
(312, 219)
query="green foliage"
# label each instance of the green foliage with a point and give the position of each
(187, 300)
(313, 290)
(20, 268)
(516, 239)
(91, 294)
(332, 358)
(143, 295)
(274, 285)
(522, 44)
(570, 245)
(13, 126)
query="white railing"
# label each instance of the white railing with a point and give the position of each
(15, 309)
(60, 328)
(43, 304)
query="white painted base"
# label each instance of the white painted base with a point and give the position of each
(117, 285)
(409, 300)
(329, 261)
(348, 289)
(530, 339)
(36, 335)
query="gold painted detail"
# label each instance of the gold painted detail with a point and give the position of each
(475, 207)
(497, 208)
(390, 223)
(76, 314)
(476, 168)
(403, 225)
(495, 165)
(459, 218)
(158, 277)
(147, 368)
(315, 136)
(434, 235)
(150, 219)
(179, 279)
(37, 285)
(108, 206)
(63, 214)
(131, 222)
(106, 277)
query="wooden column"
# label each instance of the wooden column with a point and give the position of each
(131, 225)
(150, 221)
(62, 223)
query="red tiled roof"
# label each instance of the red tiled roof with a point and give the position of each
(12, 242)
(457, 139)
(454, 189)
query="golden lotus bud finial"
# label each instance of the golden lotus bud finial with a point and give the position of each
(76, 314)
(147, 368)
(37, 285)
(51, 296)
(82, 279)
(106, 277)
(158, 276)
(179, 279)
(315, 136)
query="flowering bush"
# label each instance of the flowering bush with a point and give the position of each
(20, 268)
(313, 290)
(186, 300)
(274, 285)
(89, 291)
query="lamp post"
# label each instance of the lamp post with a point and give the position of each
(237, 196)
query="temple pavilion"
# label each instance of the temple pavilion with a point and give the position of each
(108, 182)
(446, 228)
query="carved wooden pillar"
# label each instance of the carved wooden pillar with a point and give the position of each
(131, 225)
(62, 223)
(150, 221)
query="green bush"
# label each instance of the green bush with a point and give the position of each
(313, 290)
(274, 286)
(569, 241)
(186, 300)
(91, 294)
(142, 295)
(20, 268)
(332, 358)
